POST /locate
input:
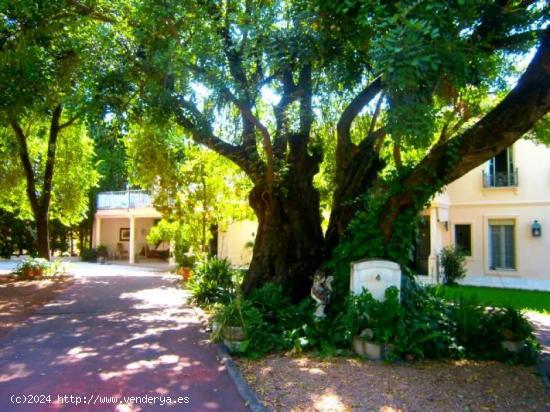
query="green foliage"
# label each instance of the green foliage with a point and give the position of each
(480, 331)
(420, 325)
(89, 255)
(213, 281)
(17, 235)
(453, 262)
(74, 160)
(102, 251)
(37, 267)
(194, 188)
(33, 267)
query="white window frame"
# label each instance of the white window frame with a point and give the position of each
(486, 253)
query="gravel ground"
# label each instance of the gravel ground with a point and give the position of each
(303, 383)
(21, 298)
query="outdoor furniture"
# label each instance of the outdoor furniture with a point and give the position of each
(120, 253)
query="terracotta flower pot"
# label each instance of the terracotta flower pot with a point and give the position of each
(185, 273)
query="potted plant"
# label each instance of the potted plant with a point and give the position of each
(378, 322)
(102, 254)
(369, 346)
(230, 326)
(186, 264)
(365, 346)
(513, 329)
(32, 268)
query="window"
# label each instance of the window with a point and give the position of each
(463, 238)
(502, 244)
(500, 170)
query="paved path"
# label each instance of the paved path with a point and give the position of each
(542, 332)
(118, 336)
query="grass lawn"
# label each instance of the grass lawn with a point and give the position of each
(531, 300)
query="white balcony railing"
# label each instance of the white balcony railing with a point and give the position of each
(501, 179)
(127, 199)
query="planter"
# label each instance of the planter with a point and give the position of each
(369, 350)
(185, 273)
(236, 346)
(233, 333)
(514, 346)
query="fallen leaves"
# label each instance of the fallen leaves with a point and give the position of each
(304, 383)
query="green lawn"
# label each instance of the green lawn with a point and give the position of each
(532, 300)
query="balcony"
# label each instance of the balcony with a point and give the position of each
(501, 179)
(127, 199)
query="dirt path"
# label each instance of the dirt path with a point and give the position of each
(302, 383)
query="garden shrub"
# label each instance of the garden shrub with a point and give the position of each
(453, 262)
(417, 325)
(273, 323)
(38, 267)
(481, 330)
(88, 255)
(213, 281)
(31, 268)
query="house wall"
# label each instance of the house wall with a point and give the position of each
(232, 241)
(468, 202)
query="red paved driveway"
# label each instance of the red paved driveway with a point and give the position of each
(114, 337)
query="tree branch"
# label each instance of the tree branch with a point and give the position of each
(515, 115)
(189, 117)
(354, 108)
(69, 122)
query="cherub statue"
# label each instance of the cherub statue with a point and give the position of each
(320, 292)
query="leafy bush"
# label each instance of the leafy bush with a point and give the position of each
(38, 267)
(102, 251)
(416, 324)
(481, 330)
(31, 268)
(186, 260)
(213, 281)
(453, 262)
(88, 255)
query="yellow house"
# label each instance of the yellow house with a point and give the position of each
(235, 242)
(122, 222)
(499, 214)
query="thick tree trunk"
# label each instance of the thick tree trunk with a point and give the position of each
(289, 243)
(43, 234)
(352, 182)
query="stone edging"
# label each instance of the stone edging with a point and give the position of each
(247, 393)
(250, 398)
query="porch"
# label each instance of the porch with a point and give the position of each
(122, 222)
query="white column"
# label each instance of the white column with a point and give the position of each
(132, 247)
(97, 231)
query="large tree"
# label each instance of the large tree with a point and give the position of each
(262, 83)
(53, 55)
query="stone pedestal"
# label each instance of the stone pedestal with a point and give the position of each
(375, 276)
